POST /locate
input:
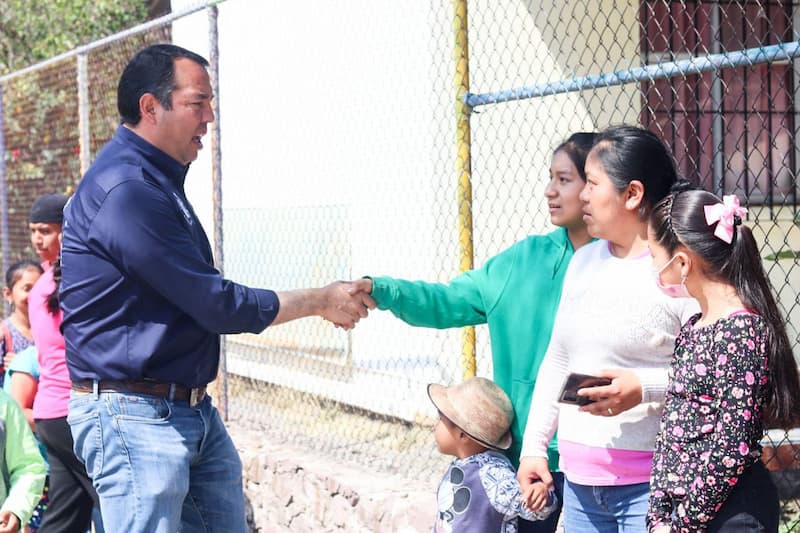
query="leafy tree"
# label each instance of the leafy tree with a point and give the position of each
(34, 30)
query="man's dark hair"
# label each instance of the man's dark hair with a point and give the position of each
(152, 70)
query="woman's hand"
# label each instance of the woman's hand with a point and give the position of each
(624, 392)
(533, 470)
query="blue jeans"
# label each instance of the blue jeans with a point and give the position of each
(158, 465)
(611, 509)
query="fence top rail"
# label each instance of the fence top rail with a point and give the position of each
(693, 65)
(85, 49)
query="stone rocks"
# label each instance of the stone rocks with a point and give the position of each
(288, 489)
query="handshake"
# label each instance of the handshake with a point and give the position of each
(343, 303)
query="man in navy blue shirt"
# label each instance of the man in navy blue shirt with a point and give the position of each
(144, 308)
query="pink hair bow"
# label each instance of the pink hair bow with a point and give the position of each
(723, 214)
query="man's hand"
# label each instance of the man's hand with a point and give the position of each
(9, 522)
(342, 302)
(346, 302)
(624, 392)
(534, 470)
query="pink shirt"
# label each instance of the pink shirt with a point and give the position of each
(52, 398)
(591, 465)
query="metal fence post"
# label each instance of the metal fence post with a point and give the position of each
(464, 168)
(4, 240)
(717, 127)
(83, 110)
(216, 193)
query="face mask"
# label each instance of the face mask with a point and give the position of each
(671, 290)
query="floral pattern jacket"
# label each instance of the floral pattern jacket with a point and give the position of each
(712, 422)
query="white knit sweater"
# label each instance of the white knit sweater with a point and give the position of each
(611, 315)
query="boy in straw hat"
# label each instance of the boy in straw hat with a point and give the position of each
(480, 491)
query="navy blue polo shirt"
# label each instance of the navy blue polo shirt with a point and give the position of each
(139, 291)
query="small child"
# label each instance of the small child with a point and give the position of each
(22, 467)
(732, 373)
(15, 331)
(480, 491)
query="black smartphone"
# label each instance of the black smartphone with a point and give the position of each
(569, 394)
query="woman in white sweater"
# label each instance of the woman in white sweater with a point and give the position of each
(613, 322)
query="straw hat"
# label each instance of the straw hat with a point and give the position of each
(479, 408)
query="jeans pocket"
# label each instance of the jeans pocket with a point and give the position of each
(81, 407)
(134, 407)
(84, 423)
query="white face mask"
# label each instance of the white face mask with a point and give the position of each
(672, 290)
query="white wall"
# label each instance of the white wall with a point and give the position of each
(338, 147)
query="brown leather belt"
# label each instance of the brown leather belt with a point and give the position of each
(179, 393)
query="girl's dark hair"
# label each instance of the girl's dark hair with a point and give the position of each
(631, 153)
(680, 220)
(15, 271)
(52, 300)
(577, 147)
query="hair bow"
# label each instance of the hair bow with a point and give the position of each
(723, 214)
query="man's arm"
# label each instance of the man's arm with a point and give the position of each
(341, 303)
(156, 249)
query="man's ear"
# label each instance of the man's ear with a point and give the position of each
(148, 105)
(634, 194)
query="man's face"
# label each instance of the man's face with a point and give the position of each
(44, 238)
(179, 130)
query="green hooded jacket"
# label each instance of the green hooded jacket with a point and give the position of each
(516, 293)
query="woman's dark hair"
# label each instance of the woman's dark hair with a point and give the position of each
(680, 220)
(152, 70)
(577, 147)
(14, 272)
(630, 153)
(52, 300)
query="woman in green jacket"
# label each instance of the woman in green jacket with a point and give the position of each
(516, 293)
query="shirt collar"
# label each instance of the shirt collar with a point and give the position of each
(172, 169)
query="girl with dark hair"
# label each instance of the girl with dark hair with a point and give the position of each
(15, 331)
(515, 293)
(732, 374)
(614, 323)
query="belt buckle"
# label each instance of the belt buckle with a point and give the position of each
(195, 395)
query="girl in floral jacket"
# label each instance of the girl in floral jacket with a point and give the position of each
(732, 374)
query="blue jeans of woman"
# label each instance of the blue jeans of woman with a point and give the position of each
(158, 465)
(605, 509)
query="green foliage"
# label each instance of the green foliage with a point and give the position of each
(34, 30)
(783, 254)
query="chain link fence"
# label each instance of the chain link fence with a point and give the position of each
(338, 136)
